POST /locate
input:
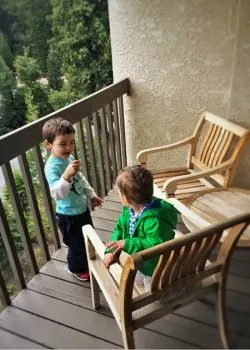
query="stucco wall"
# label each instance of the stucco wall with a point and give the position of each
(182, 57)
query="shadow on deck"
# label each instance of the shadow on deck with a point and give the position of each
(55, 310)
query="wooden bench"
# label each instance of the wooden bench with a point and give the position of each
(183, 274)
(214, 150)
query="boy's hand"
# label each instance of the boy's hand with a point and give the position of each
(71, 170)
(109, 259)
(96, 201)
(115, 246)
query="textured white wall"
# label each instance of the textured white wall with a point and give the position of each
(182, 57)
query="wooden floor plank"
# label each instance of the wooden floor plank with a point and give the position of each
(110, 205)
(66, 291)
(106, 214)
(69, 315)
(95, 323)
(113, 197)
(60, 306)
(81, 296)
(103, 224)
(205, 313)
(59, 270)
(12, 341)
(51, 334)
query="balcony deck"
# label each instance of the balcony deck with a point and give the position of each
(55, 310)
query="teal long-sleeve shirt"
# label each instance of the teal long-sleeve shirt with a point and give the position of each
(155, 226)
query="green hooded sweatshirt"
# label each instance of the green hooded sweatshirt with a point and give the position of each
(153, 227)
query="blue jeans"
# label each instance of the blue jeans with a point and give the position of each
(71, 229)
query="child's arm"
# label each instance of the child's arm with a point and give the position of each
(90, 192)
(59, 183)
(132, 245)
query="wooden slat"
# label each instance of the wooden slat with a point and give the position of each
(214, 145)
(20, 219)
(232, 127)
(52, 335)
(166, 175)
(114, 206)
(99, 153)
(105, 148)
(11, 249)
(181, 262)
(66, 291)
(238, 322)
(89, 134)
(184, 185)
(105, 214)
(69, 314)
(30, 135)
(103, 224)
(59, 270)
(166, 273)
(111, 141)
(224, 150)
(83, 151)
(122, 131)
(217, 147)
(46, 196)
(40, 234)
(113, 197)
(13, 341)
(117, 135)
(189, 190)
(214, 136)
(4, 292)
(206, 143)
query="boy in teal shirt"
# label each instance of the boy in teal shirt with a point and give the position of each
(71, 192)
(145, 220)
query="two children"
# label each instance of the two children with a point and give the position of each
(144, 222)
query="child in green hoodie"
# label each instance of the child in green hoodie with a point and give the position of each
(145, 221)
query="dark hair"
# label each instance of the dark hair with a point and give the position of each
(55, 127)
(136, 183)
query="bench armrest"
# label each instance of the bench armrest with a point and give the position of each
(142, 156)
(171, 184)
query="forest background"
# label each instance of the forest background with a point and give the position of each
(52, 53)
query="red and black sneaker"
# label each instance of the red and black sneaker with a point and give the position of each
(82, 276)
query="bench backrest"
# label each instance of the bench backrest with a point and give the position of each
(223, 141)
(182, 267)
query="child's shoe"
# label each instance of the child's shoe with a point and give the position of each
(82, 276)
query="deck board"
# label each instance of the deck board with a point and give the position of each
(60, 307)
(10, 341)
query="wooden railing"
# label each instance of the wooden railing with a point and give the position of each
(101, 148)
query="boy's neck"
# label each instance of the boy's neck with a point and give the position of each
(137, 208)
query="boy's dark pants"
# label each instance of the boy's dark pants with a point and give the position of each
(71, 229)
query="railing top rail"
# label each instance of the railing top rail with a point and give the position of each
(26, 137)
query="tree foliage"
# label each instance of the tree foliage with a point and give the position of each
(5, 51)
(82, 41)
(54, 70)
(12, 105)
(30, 27)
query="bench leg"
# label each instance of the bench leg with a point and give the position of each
(128, 337)
(221, 314)
(95, 292)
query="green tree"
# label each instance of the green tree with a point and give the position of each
(54, 70)
(30, 27)
(12, 105)
(5, 50)
(81, 34)
(27, 68)
(35, 95)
